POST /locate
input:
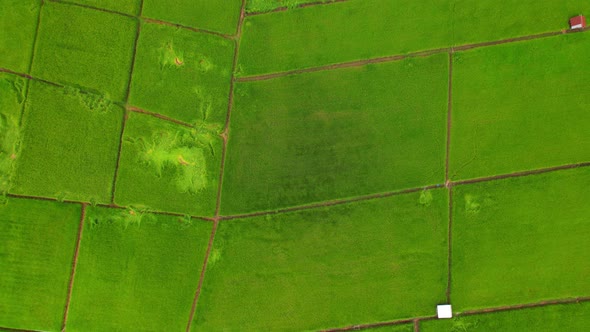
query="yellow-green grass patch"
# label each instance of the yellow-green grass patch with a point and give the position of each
(130, 7)
(136, 271)
(182, 74)
(38, 240)
(85, 48)
(335, 134)
(351, 264)
(169, 167)
(521, 240)
(69, 145)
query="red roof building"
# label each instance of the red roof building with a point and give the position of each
(578, 22)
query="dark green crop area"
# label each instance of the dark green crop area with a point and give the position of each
(37, 244)
(336, 134)
(294, 165)
(137, 271)
(536, 85)
(289, 265)
(521, 240)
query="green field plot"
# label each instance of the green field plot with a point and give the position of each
(352, 30)
(168, 167)
(520, 106)
(269, 5)
(18, 25)
(335, 134)
(339, 32)
(182, 74)
(568, 317)
(359, 263)
(394, 328)
(69, 145)
(218, 16)
(130, 7)
(12, 94)
(37, 245)
(136, 272)
(521, 240)
(86, 48)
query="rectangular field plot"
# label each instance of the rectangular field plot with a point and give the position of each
(136, 271)
(69, 145)
(253, 6)
(336, 134)
(85, 48)
(218, 16)
(521, 240)
(364, 262)
(520, 106)
(12, 94)
(566, 317)
(130, 7)
(182, 74)
(168, 167)
(37, 239)
(340, 32)
(361, 29)
(18, 24)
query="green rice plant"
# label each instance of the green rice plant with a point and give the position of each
(131, 216)
(12, 91)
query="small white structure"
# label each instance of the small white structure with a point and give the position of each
(444, 311)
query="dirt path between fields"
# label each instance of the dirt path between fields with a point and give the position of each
(74, 265)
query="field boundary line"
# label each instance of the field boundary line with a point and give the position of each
(10, 329)
(380, 324)
(302, 5)
(398, 57)
(417, 320)
(521, 173)
(74, 265)
(136, 109)
(143, 18)
(330, 203)
(224, 136)
(125, 111)
(447, 180)
(108, 206)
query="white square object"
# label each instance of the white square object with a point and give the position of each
(444, 311)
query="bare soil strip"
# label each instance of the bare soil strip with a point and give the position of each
(159, 116)
(399, 57)
(303, 5)
(330, 203)
(74, 264)
(8, 329)
(176, 25)
(222, 167)
(416, 325)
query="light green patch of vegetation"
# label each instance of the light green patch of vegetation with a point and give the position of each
(521, 240)
(182, 74)
(520, 106)
(12, 92)
(18, 25)
(68, 150)
(123, 6)
(169, 167)
(91, 101)
(327, 267)
(218, 16)
(139, 277)
(563, 317)
(37, 241)
(97, 57)
(341, 133)
(425, 198)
